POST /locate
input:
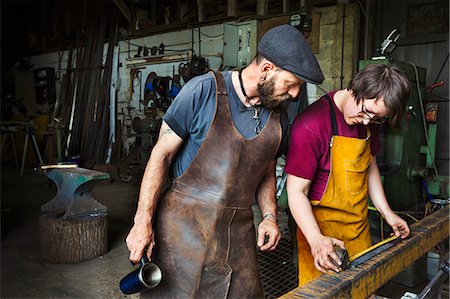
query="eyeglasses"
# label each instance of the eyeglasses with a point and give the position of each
(373, 120)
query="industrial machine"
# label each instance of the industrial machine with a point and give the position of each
(400, 161)
(410, 178)
(147, 133)
(406, 161)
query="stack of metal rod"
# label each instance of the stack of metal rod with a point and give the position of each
(84, 99)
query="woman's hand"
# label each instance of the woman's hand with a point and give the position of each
(399, 226)
(325, 258)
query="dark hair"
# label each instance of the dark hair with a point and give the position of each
(258, 58)
(378, 81)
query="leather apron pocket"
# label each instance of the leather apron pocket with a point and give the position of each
(356, 175)
(215, 281)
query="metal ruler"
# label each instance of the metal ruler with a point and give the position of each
(372, 251)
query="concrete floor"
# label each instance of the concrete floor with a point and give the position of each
(25, 275)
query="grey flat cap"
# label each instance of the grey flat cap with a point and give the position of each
(286, 47)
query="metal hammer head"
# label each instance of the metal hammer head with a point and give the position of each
(343, 256)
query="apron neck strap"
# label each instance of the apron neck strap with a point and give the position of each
(334, 129)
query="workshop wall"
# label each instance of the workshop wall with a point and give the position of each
(338, 45)
(337, 56)
(179, 47)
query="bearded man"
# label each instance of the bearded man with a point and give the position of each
(219, 141)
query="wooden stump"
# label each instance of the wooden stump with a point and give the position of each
(73, 240)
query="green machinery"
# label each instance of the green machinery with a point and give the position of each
(406, 160)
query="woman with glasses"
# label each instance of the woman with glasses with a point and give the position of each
(332, 168)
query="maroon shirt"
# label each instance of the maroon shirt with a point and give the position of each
(309, 149)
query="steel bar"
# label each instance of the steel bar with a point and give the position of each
(104, 109)
(364, 280)
(434, 288)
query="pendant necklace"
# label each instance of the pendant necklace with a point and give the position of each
(257, 120)
(256, 108)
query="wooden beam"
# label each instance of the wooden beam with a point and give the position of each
(285, 6)
(201, 11)
(153, 12)
(232, 8)
(365, 279)
(124, 9)
(262, 7)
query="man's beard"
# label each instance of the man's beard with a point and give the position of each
(266, 90)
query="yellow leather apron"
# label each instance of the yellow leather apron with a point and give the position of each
(342, 212)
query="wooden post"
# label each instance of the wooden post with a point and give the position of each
(72, 240)
(232, 8)
(262, 7)
(201, 11)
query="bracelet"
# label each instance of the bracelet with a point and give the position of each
(270, 215)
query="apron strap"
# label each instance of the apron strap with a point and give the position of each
(334, 129)
(221, 89)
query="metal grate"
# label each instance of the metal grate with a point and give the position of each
(277, 270)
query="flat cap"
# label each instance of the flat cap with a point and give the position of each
(286, 47)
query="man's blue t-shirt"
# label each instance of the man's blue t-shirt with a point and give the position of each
(190, 116)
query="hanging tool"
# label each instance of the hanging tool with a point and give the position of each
(135, 73)
(139, 51)
(390, 43)
(145, 51)
(149, 92)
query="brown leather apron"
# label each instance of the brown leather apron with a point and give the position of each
(342, 211)
(205, 236)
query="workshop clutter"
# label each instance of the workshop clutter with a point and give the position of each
(159, 91)
(143, 51)
(197, 66)
(106, 104)
(154, 96)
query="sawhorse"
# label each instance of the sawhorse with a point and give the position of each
(29, 131)
(9, 131)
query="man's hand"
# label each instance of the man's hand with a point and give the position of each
(139, 238)
(323, 253)
(268, 231)
(152, 187)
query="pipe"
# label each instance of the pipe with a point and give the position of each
(342, 46)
